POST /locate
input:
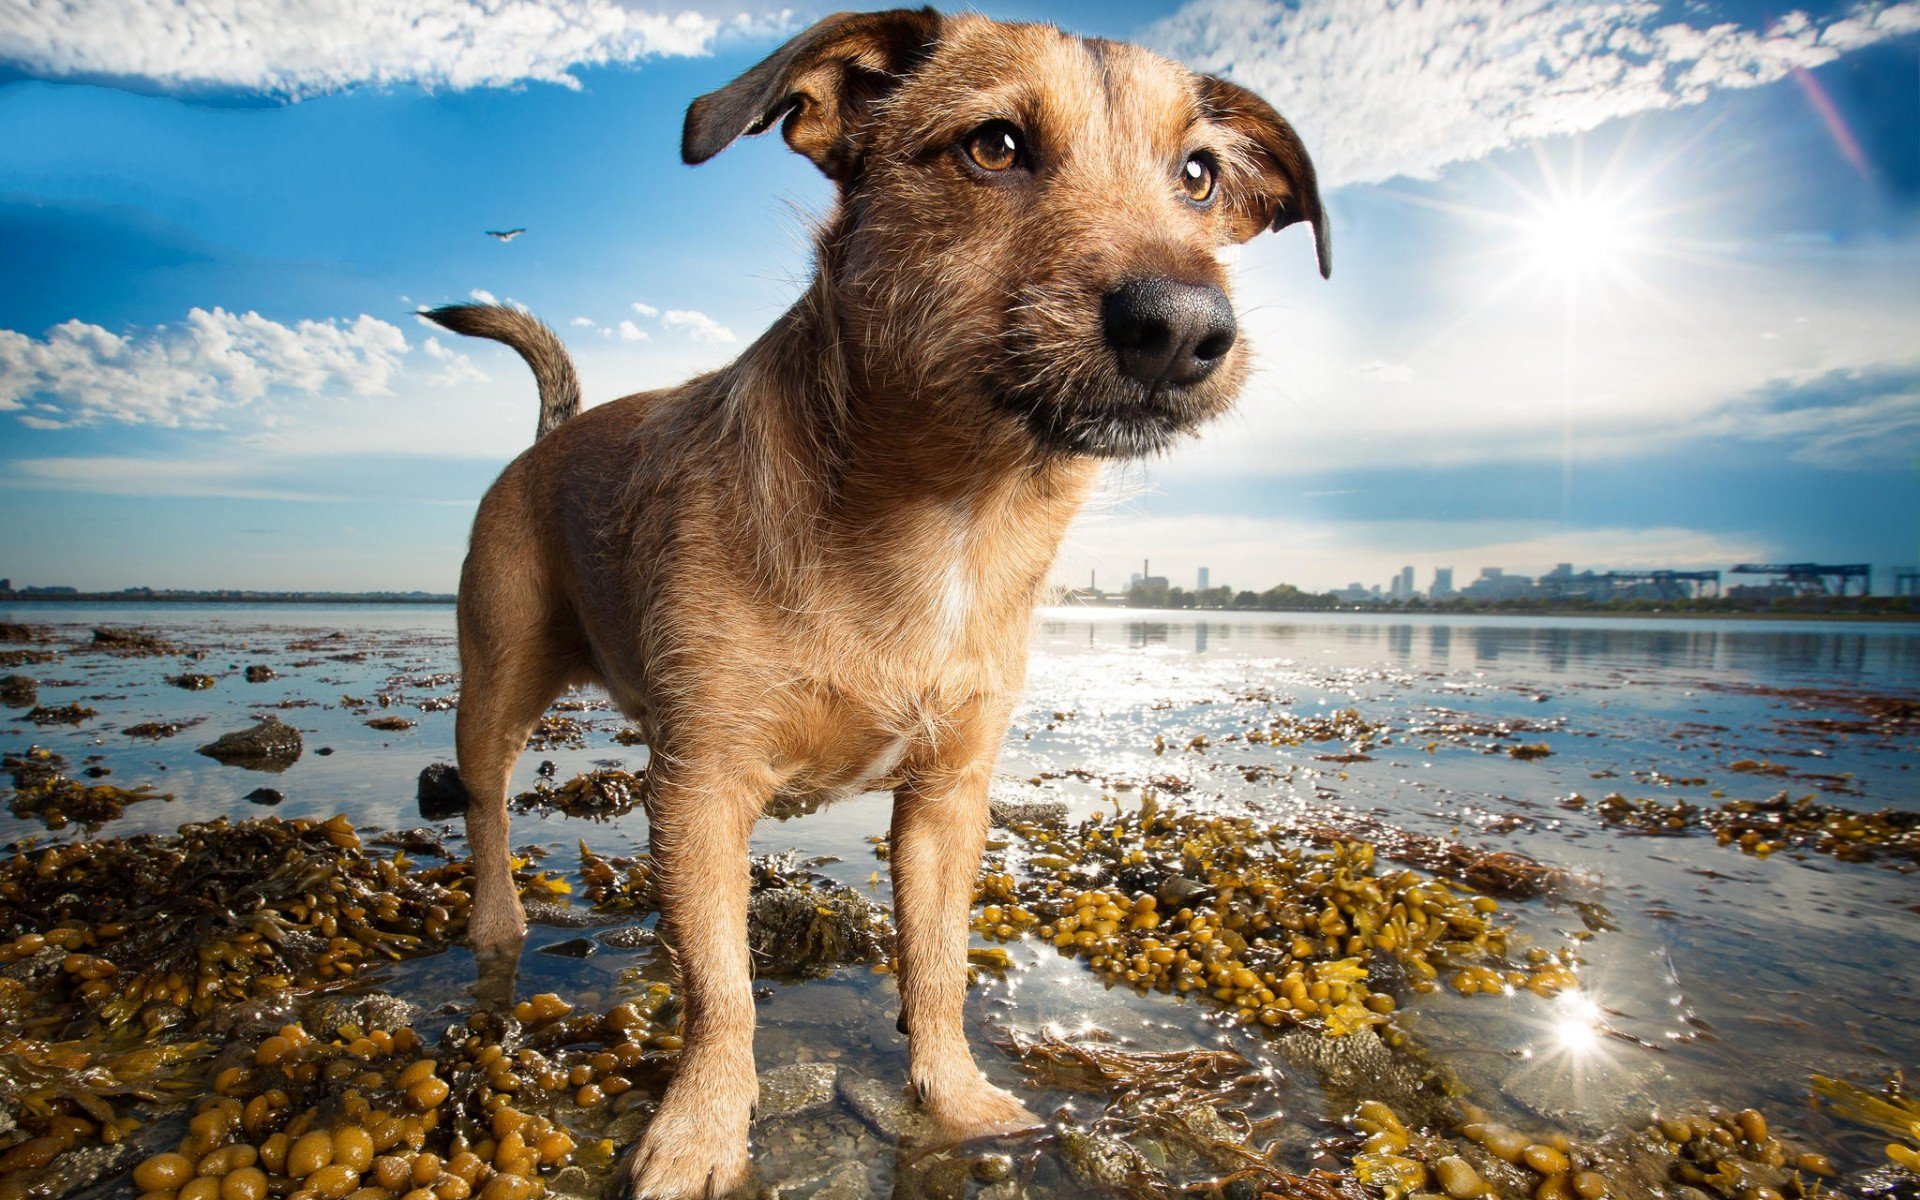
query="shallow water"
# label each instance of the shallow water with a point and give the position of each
(1735, 977)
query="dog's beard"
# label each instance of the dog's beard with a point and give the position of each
(1128, 422)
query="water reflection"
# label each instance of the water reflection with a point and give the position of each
(1873, 654)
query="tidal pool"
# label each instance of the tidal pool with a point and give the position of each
(1716, 977)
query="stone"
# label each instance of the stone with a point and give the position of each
(888, 1110)
(571, 948)
(440, 792)
(19, 691)
(795, 1089)
(272, 745)
(1011, 802)
(266, 795)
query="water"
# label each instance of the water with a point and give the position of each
(1736, 977)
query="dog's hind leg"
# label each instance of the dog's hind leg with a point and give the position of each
(514, 660)
(939, 831)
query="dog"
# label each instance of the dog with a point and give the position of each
(812, 572)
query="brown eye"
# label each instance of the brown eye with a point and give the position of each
(1197, 178)
(995, 146)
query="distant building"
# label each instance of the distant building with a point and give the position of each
(1353, 593)
(1204, 579)
(1147, 579)
(1442, 588)
(1496, 584)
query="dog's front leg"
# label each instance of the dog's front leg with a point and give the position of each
(696, 1144)
(939, 831)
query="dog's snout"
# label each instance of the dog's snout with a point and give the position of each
(1168, 332)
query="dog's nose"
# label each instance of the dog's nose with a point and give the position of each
(1168, 332)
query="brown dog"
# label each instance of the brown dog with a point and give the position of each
(813, 571)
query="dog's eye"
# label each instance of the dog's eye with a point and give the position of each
(995, 146)
(1197, 178)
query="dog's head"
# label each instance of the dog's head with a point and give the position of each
(1031, 223)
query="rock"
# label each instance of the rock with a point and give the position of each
(19, 691)
(272, 745)
(266, 795)
(572, 948)
(1010, 802)
(1101, 1161)
(795, 1089)
(558, 913)
(441, 793)
(1178, 889)
(367, 1013)
(75, 1170)
(628, 937)
(888, 1110)
(259, 674)
(1359, 1066)
(847, 1181)
(571, 1183)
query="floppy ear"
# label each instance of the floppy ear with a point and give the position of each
(824, 82)
(1287, 191)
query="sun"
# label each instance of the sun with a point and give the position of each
(1573, 236)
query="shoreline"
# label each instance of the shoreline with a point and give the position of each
(1101, 610)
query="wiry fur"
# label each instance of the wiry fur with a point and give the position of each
(820, 561)
(532, 340)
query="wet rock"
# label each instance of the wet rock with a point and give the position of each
(572, 948)
(266, 795)
(259, 674)
(1100, 1160)
(628, 937)
(572, 1183)
(272, 745)
(134, 643)
(441, 794)
(795, 1089)
(557, 913)
(19, 691)
(1012, 803)
(77, 1169)
(1360, 1067)
(190, 682)
(847, 1181)
(366, 1013)
(888, 1109)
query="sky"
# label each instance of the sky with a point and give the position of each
(1616, 283)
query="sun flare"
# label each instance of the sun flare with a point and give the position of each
(1578, 235)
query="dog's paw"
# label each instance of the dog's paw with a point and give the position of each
(497, 930)
(692, 1150)
(969, 1107)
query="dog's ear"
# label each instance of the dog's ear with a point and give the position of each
(824, 82)
(1287, 192)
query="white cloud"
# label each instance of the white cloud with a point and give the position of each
(645, 309)
(127, 475)
(483, 296)
(455, 367)
(193, 373)
(629, 332)
(1385, 372)
(300, 48)
(1380, 88)
(582, 323)
(699, 326)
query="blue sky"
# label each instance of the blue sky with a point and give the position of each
(1617, 284)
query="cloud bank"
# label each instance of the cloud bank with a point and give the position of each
(295, 49)
(1382, 88)
(194, 373)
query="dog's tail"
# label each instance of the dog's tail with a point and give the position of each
(532, 340)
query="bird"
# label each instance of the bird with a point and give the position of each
(505, 235)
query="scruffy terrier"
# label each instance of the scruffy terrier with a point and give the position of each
(813, 571)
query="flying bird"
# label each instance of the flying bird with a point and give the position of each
(505, 235)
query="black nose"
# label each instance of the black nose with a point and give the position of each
(1168, 332)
